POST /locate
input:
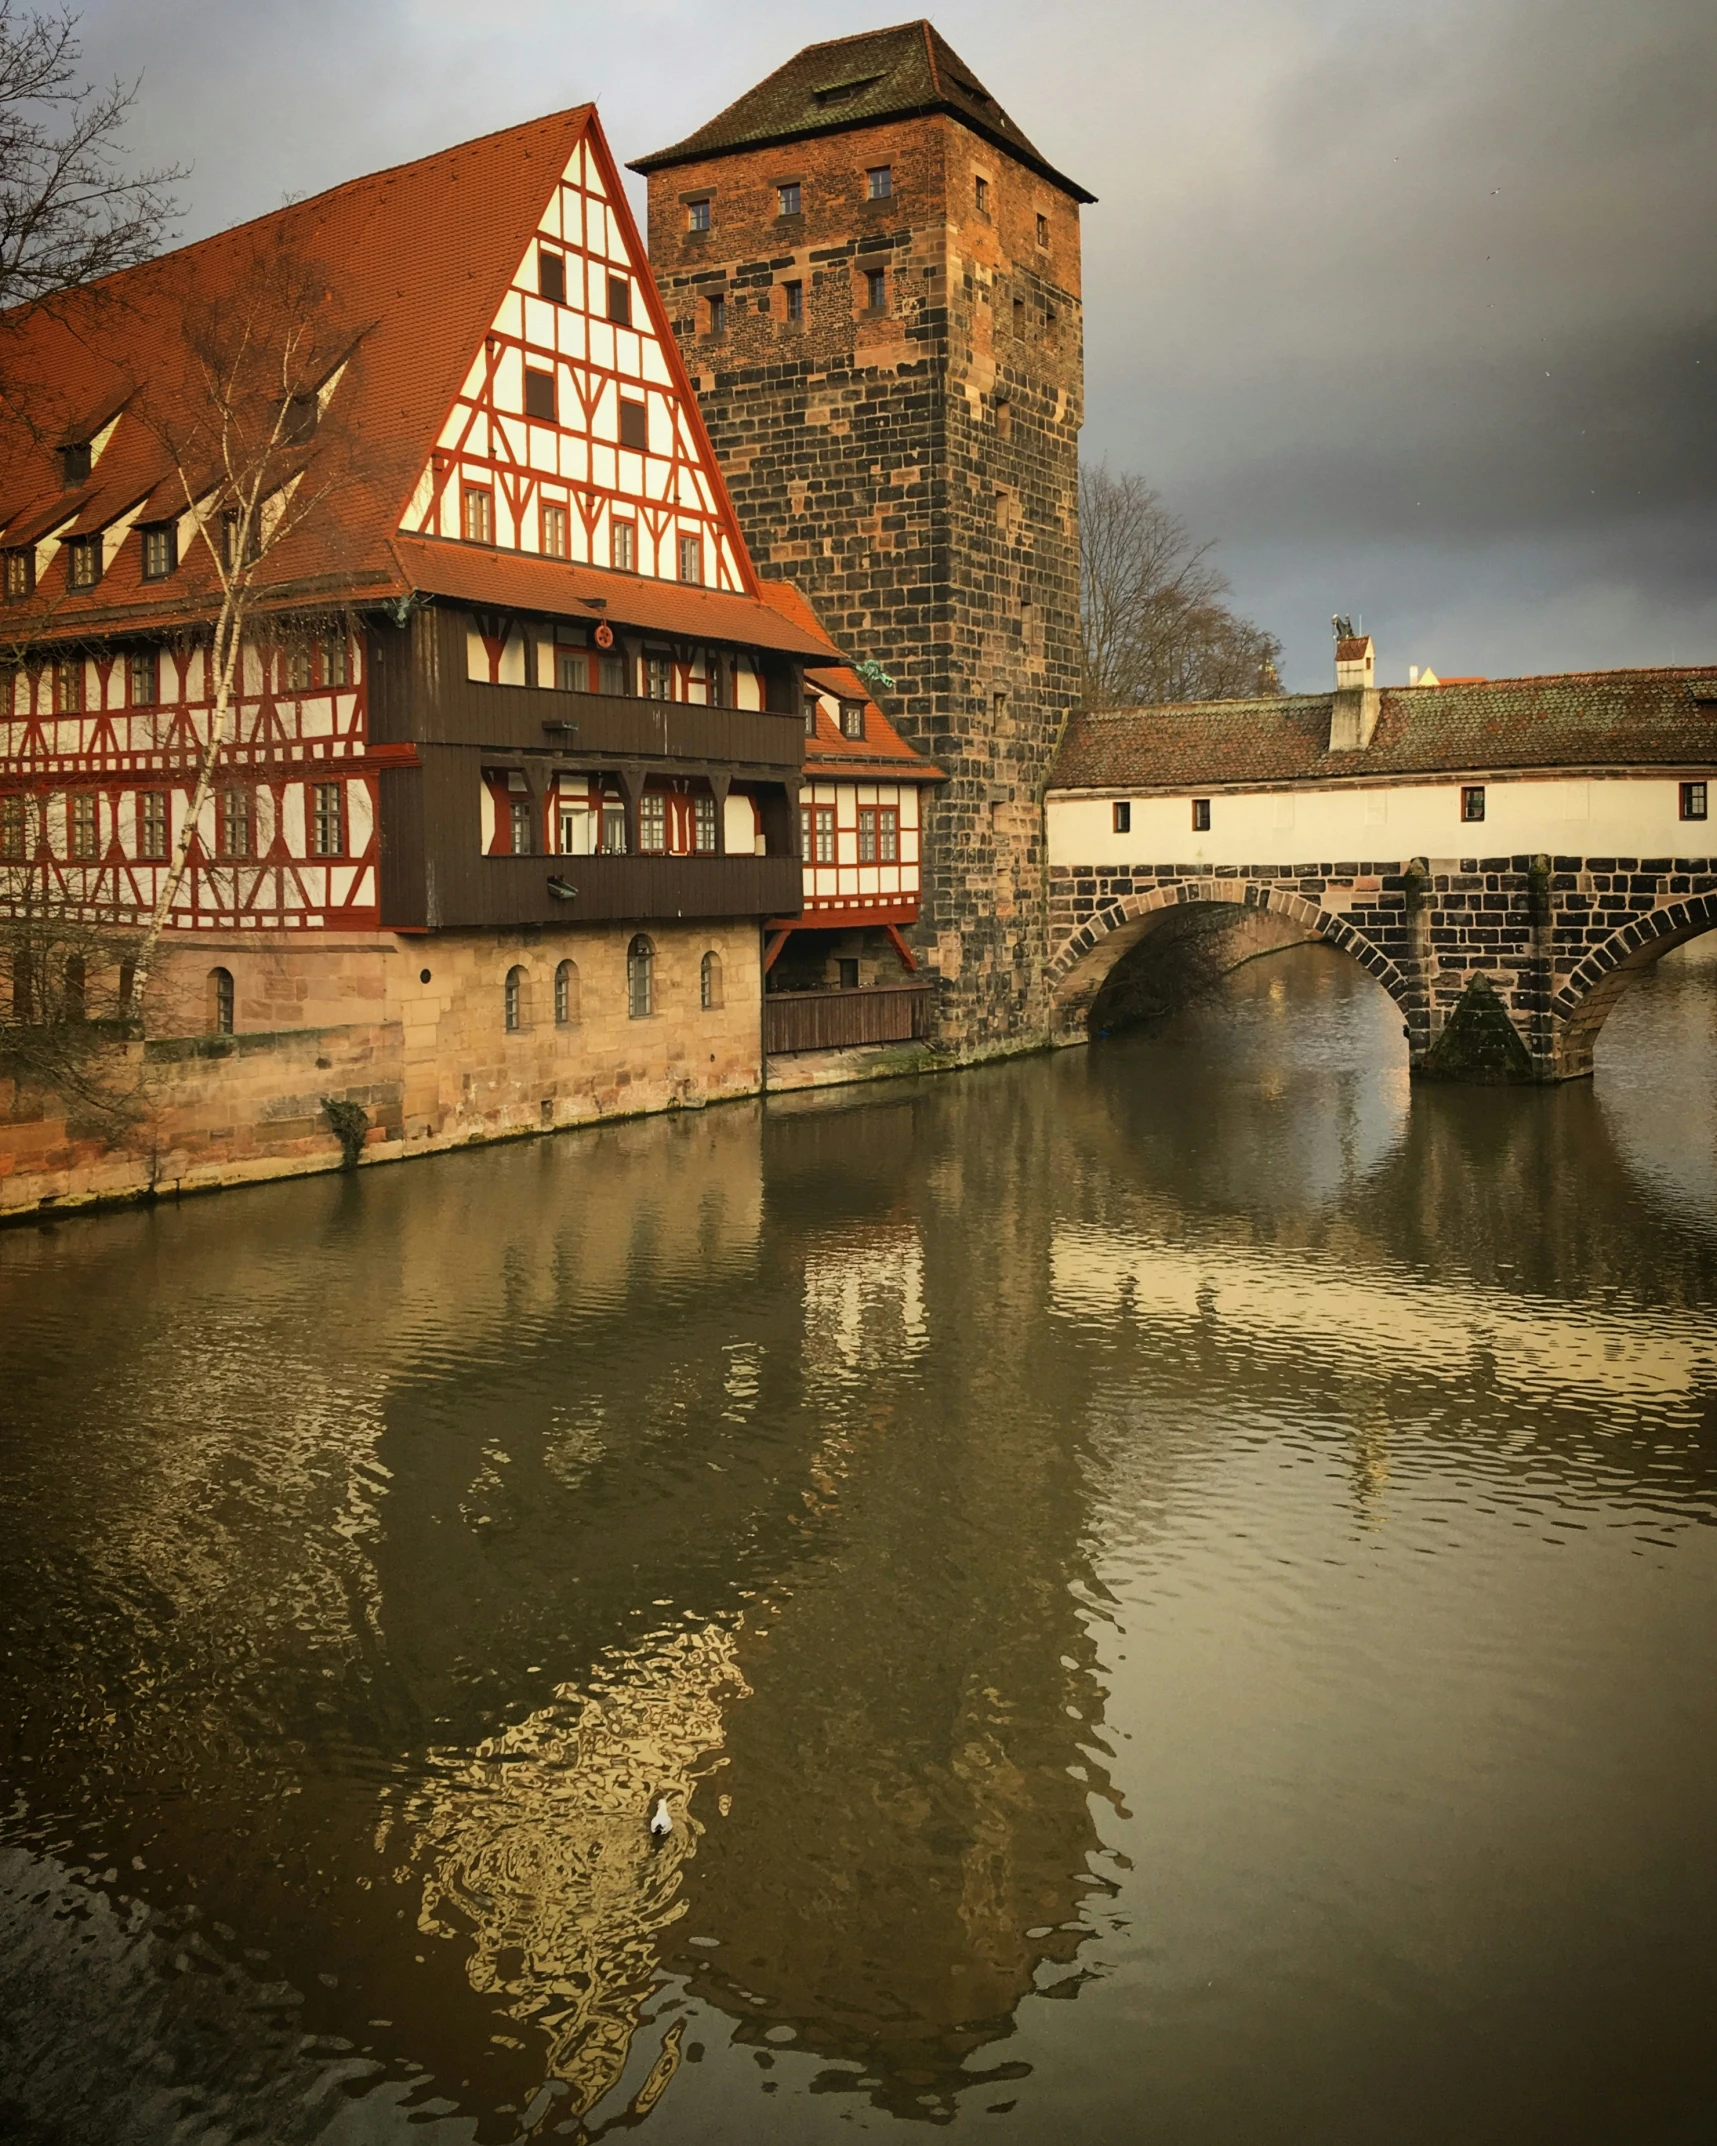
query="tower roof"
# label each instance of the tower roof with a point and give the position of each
(855, 82)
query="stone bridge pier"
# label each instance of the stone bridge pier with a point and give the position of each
(1504, 968)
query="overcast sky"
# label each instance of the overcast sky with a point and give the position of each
(1412, 307)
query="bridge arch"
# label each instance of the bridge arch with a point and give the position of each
(1587, 996)
(1089, 956)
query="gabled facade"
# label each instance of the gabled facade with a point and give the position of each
(510, 678)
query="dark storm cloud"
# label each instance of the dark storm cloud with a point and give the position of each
(1411, 306)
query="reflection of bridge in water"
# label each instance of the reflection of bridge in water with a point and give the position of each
(1500, 856)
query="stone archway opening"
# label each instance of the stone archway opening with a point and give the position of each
(1143, 955)
(1587, 1000)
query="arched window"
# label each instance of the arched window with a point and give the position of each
(709, 981)
(515, 1001)
(566, 994)
(221, 1001)
(640, 978)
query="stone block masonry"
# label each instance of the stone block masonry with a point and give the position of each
(906, 452)
(1552, 939)
(414, 1031)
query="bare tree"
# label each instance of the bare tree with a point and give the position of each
(1154, 623)
(255, 459)
(69, 209)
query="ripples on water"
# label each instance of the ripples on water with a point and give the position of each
(1168, 1589)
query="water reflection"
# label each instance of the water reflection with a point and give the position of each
(1011, 1519)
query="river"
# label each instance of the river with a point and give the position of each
(1168, 1589)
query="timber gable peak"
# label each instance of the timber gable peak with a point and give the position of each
(575, 435)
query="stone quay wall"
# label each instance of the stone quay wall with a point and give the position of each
(410, 1030)
(1551, 940)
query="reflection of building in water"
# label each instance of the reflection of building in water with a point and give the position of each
(536, 1848)
(864, 1303)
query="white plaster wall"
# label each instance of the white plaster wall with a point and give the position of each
(1627, 816)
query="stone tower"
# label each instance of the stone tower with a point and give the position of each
(874, 278)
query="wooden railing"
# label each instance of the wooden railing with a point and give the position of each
(843, 1020)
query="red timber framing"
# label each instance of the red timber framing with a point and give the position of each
(579, 460)
(349, 793)
(88, 801)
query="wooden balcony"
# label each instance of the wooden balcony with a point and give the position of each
(845, 1020)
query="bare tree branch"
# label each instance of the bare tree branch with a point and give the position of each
(1154, 625)
(69, 209)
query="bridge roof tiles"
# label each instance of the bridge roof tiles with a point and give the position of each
(1595, 719)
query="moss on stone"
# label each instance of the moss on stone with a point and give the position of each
(1479, 1042)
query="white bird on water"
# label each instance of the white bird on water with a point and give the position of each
(661, 1822)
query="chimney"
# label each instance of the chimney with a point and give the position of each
(1354, 711)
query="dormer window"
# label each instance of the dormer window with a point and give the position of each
(75, 464)
(852, 718)
(298, 421)
(20, 575)
(83, 562)
(810, 717)
(160, 550)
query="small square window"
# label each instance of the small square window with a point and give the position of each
(1201, 815)
(875, 289)
(691, 558)
(852, 718)
(620, 300)
(160, 550)
(1043, 230)
(787, 199)
(1472, 801)
(715, 311)
(1123, 817)
(143, 672)
(634, 425)
(478, 511)
(981, 195)
(623, 549)
(1693, 801)
(554, 531)
(539, 395)
(795, 301)
(879, 182)
(551, 276)
(697, 215)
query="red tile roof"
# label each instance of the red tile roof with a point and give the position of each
(415, 261)
(524, 581)
(1597, 719)
(882, 753)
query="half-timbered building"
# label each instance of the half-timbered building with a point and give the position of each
(510, 781)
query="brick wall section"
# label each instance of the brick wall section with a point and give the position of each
(431, 1061)
(915, 471)
(1557, 937)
